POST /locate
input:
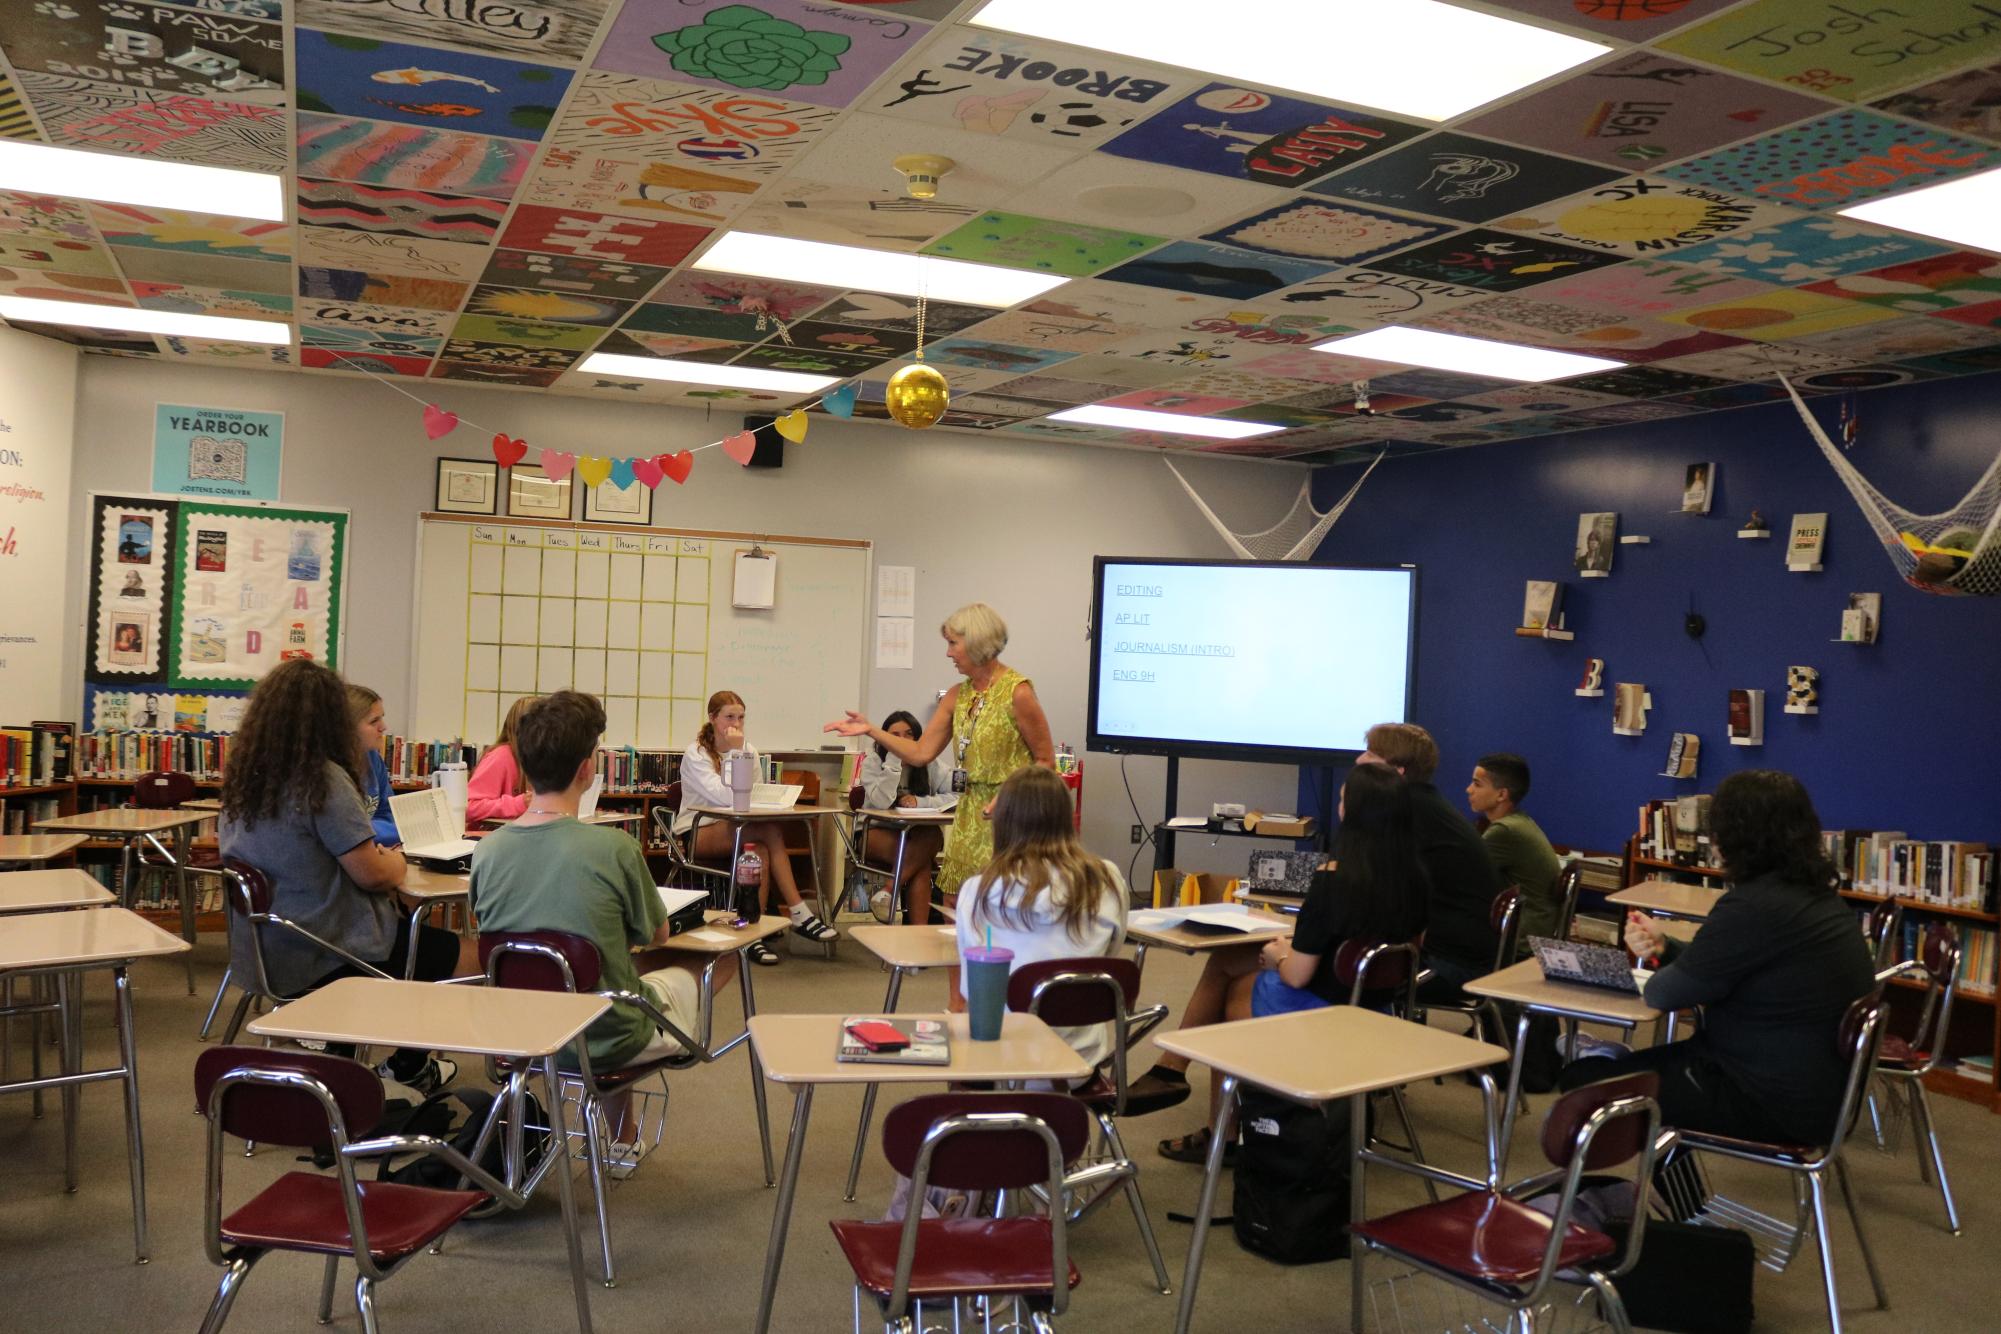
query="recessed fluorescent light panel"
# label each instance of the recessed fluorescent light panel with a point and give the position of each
(695, 372)
(217, 328)
(852, 267)
(109, 178)
(1418, 58)
(1172, 423)
(1966, 211)
(1468, 356)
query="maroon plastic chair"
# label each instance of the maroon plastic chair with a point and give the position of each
(971, 1142)
(564, 961)
(1488, 1243)
(1809, 1166)
(1480, 1011)
(311, 1101)
(1903, 1062)
(1386, 968)
(1882, 926)
(1076, 993)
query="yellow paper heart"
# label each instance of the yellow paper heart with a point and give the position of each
(793, 425)
(593, 469)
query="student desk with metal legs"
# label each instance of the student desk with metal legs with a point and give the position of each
(130, 826)
(902, 949)
(738, 819)
(1313, 1057)
(39, 848)
(527, 1026)
(1186, 939)
(1665, 898)
(798, 1050)
(63, 945)
(898, 820)
(51, 890)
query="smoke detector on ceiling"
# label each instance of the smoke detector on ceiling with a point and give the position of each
(921, 172)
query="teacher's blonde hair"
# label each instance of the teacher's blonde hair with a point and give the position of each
(980, 628)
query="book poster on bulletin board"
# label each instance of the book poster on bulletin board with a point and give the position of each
(191, 603)
(223, 453)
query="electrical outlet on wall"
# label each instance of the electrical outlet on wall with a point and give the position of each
(1139, 832)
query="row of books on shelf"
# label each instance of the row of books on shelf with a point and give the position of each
(409, 759)
(1976, 952)
(629, 769)
(127, 754)
(1945, 874)
(1676, 829)
(20, 817)
(156, 891)
(34, 754)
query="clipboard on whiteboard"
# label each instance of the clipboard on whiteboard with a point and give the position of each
(754, 579)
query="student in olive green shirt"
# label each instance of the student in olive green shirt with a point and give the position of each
(1514, 844)
(546, 871)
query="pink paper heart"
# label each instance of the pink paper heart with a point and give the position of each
(438, 422)
(740, 446)
(557, 464)
(648, 472)
(508, 451)
(676, 465)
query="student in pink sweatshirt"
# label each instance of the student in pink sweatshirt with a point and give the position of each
(497, 791)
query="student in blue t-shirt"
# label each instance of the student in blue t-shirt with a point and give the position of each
(369, 726)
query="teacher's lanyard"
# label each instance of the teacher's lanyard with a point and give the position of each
(965, 739)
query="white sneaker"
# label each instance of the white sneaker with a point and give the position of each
(622, 1160)
(879, 903)
(1585, 1047)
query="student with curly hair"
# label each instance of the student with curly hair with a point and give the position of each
(292, 807)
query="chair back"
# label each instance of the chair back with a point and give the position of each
(247, 892)
(1857, 1038)
(540, 960)
(1939, 953)
(1569, 883)
(246, 895)
(809, 784)
(986, 1141)
(1881, 926)
(297, 1098)
(162, 789)
(1070, 993)
(1364, 966)
(1504, 916)
(856, 796)
(1602, 1125)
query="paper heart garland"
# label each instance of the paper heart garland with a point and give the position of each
(621, 473)
(557, 464)
(792, 425)
(438, 422)
(677, 465)
(740, 446)
(841, 402)
(648, 472)
(593, 469)
(508, 451)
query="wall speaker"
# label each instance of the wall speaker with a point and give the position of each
(770, 451)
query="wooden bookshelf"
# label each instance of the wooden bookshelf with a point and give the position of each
(1919, 905)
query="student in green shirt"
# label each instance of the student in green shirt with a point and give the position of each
(546, 871)
(1514, 844)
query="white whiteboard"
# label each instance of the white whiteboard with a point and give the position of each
(640, 617)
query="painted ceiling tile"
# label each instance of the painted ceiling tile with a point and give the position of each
(1972, 361)
(343, 148)
(559, 231)
(1325, 367)
(173, 126)
(1935, 284)
(1018, 241)
(1000, 83)
(519, 303)
(1781, 314)
(421, 214)
(876, 218)
(185, 300)
(129, 226)
(508, 355)
(1836, 160)
(1494, 261)
(546, 30)
(697, 322)
(374, 252)
(1450, 175)
(1642, 382)
(1120, 304)
(1361, 297)
(1063, 393)
(16, 122)
(1646, 287)
(1250, 135)
(1645, 108)
(1807, 250)
(497, 373)
(1965, 103)
(1860, 377)
(165, 48)
(26, 217)
(632, 342)
(1026, 328)
(987, 169)
(1758, 361)
(244, 356)
(571, 273)
(848, 339)
(423, 85)
(1215, 271)
(379, 363)
(703, 129)
(1848, 51)
(406, 324)
(773, 302)
(1125, 372)
(982, 355)
(874, 310)
(525, 333)
(1131, 195)
(1326, 231)
(1424, 383)
(1623, 20)
(1226, 382)
(1175, 400)
(380, 289)
(780, 356)
(102, 288)
(1645, 216)
(1915, 336)
(811, 52)
(1540, 398)
(664, 191)
(352, 338)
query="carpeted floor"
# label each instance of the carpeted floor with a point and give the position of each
(690, 1228)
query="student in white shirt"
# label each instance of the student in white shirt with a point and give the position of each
(702, 785)
(888, 783)
(1043, 896)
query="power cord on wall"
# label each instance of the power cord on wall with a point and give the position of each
(1139, 820)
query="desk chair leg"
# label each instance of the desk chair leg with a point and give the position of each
(781, 1214)
(1609, 1303)
(236, 1018)
(183, 850)
(215, 1006)
(559, 1144)
(1861, 1237)
(364, 1302)
(1921, 1117)
(125, 872)
(1818, 1193)
(1514, 1093)
(1410, 1128)
(869, 1091)
(69, 1019)
(332, 1272)
(1133, 1198)
(1205, 1205)
(595, 1134)
(135, 1146)
(744, 968)
(225, 1292)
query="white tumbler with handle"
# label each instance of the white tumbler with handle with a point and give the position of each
(740, 772)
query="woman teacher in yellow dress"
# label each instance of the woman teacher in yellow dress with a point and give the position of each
(992, 724)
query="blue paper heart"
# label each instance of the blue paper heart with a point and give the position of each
(621, 472)
(841, 402)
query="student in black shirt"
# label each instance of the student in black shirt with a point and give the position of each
(1459, 941)
(1774, 968)
(1373, 891)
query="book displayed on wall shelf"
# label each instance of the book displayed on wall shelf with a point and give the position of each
(1747, 717)
(1630, 702)
(1755, 526)
(1592, 684)
(1683, 751)
(1597, 538)
(1802, 690)
(1541, 601)
(1807, 543)
(1862, 620)
(1698, 487)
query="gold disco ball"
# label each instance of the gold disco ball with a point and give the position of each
(916, 396)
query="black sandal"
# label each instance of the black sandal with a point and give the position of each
(1193, 1147)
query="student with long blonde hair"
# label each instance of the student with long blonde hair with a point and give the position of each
(702, 785)
(497, 790)
(365, 707)
(1043, 895)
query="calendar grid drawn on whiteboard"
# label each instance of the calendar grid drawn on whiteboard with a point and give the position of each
(641, 618)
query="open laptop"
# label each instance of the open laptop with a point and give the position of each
(775, 796)
(424, 822)
(1586, 965)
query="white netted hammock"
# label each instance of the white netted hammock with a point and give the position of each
(1294, 536)
(1954, 552)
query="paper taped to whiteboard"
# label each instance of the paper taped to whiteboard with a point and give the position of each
(755, 582)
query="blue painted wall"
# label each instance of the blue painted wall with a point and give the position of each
(1909, 733)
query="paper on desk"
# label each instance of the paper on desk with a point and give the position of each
(588, 805)
(712, 936)
(1227, 916)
